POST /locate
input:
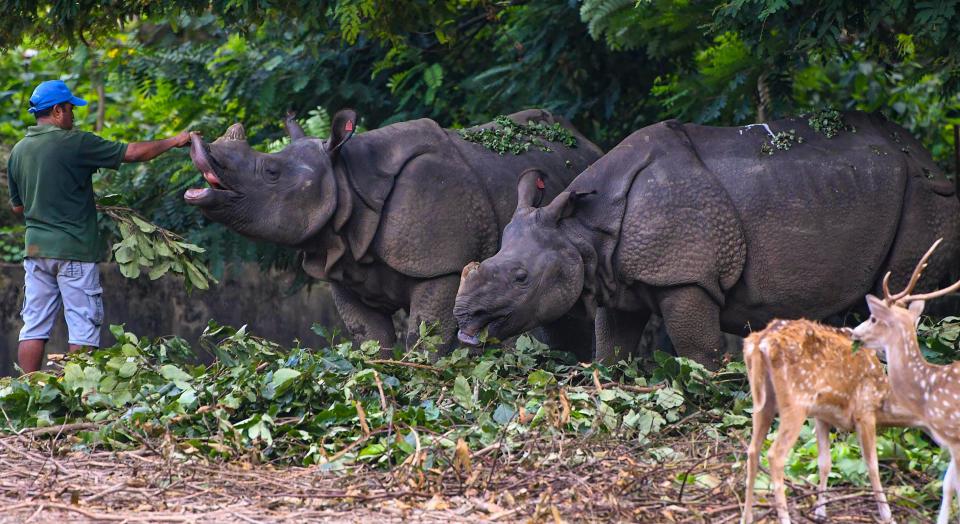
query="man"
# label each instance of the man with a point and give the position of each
(50, 175)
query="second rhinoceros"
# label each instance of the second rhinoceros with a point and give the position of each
(389, 217)
(718, 229)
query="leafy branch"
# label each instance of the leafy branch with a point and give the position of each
(158, 250)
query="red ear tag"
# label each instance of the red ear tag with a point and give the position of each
(348, 127)
(540, 184)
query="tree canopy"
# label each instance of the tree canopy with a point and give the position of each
(612, 66)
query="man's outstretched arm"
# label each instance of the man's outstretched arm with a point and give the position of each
(143, 151)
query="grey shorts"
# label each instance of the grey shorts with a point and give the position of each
(50, 283)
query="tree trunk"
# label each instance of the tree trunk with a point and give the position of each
(101, 103)
(763, 94)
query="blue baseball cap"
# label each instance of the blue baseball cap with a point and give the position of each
(51, 93)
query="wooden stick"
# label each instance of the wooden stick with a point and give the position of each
(57, 430)
(635, 389)
(405, 364)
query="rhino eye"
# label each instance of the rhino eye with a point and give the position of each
(520, 275)
(271, 173)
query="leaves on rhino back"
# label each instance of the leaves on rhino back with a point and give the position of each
(509, 136)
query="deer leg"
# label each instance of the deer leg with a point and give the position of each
(867, 433)
(791, 422)
(949, 486)
(762, 420)
(824, 465)
(956, 477)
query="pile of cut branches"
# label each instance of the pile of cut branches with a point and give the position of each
(519, 433)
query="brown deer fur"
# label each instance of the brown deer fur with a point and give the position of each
(802, 369)
(929, 393)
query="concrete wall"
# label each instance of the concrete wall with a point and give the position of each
(162, 307)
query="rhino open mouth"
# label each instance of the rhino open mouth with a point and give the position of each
(469, 330)
(200, 155)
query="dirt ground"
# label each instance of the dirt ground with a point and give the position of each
(547, 480)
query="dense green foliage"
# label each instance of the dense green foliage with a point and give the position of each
(301, 405)
(342, 404)
(151, 69)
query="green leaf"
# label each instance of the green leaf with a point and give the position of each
(195, 276)
(127, 370)
(144, 226)
(272, 64)
(130, 270)
(433, 76)
(668, 398)
(179, 377)
(191, 247)
(146, 251)
(283, 376)
(482, 369)
(503, 414)
(124, 255)
(163, 250)
(112, 199)
(541, 378)
(159, 270)
(188, 397)
(462, 393)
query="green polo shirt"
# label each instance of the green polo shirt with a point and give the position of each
(50, 174)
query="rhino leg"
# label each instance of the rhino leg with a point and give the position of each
(692, 319)
(618, 333)
(569, 333)
(431, 302)
(363, 321)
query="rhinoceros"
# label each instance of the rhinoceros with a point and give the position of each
(717, 229)
(390, 216)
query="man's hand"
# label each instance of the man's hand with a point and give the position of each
(17, 210)
(183, 138)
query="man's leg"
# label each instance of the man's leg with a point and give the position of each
(41, 302)
(30, 354)
(82, 303)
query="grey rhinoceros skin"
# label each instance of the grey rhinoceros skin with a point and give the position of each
(389, 217)
(700, 226)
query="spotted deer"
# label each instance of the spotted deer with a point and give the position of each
(802, 369)
(928, 392)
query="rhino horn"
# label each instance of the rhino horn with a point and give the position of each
(467, 270)
(235, 132)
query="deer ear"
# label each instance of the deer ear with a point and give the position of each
(916, 308)
(344, 125)
(878, 307)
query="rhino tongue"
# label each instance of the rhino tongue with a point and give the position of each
(212, 179)
(470, 340)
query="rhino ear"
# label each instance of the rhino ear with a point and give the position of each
(563, 206)
(530, 188)
(292, 126)
(344, 125)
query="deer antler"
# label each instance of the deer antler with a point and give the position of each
(904, 296)
(933, 294)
